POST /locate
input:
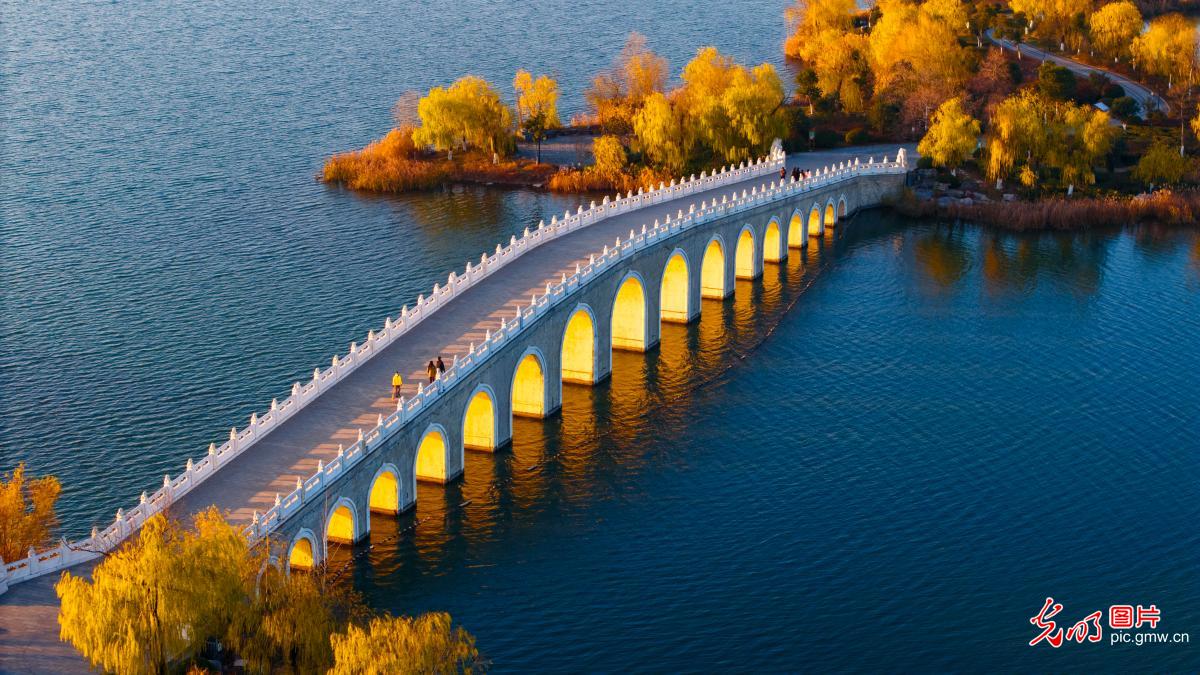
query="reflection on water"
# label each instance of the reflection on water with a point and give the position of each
(844, 465)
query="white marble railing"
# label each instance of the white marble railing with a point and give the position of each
(126, 522)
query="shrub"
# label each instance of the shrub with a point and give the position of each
(1113, 90)
(925, 163)
(857, 136)
(1124, 107)
(386, 165)
(826, 138)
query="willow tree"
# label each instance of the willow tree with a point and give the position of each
(26, 512)
(915, 55)
(425, 644)
(468, 113)
(155, 600)
(1113, 27)
(617, 94)
(952, 135)
(536, 95)
(1161, 165)
(1062, 20)
(1037, 138)
(1169, 49)
(660, 132)
(823, 37)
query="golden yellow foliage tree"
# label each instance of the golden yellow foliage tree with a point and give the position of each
(1196, 123)
(537, 96)
(1114, 26)
(26, 512)
(1168, 47)
(659, 130)
(914, 44)
(617, 94)
(155, 600)
(1029, 133)
(951, 137)
(1057, 19)
(468, 113)
(425, 644)
(1161, 164)
(822, 36)
(610, 158)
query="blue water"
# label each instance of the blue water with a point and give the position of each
(884, 458)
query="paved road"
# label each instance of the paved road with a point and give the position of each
(1147, 100)
(28, 611)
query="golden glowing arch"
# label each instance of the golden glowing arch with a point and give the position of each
(773, 250)
(712, 270)
(796, 237)
(385, 490)
(815, 226)
(579, 347)
(529, 385)
(841, 209)
(674, 299)
(302, 554)
(629, 315)
(342, 525)
(433, 454)
(830, 214)
(480, 420)
(744, 267)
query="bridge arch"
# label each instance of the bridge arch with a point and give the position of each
(745, 266)
(712, 269)
(304, 552)
(816, 226)
(773, 248)
(796, 237)
(384, 495)
(629, 314)
(433, 460)
(529, 396)
(343, 524)
(579, 338)
(830, 213)
(480, 423)
(675, 294)
(841, 207)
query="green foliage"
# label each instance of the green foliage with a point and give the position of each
(1113, 90)
(1124, 107)
(952, 136)
(26, 512)
(1161, 165)
(1055, 81)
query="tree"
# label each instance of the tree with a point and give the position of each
(660, 133)
(952, 136)
(155, 600)
(426, 644)
(1055, 81)
(1041, 138)
(1168, 48)
(610, 158)
(26, 512)
(994, 80)
(1162, 165)
(468, 113)
(617, 94)
(822, 36)
(537, 96)
(810, 19)
(1062, 20)
(1114, 26)
(536, 126)
(918, 44)
(1196, 123)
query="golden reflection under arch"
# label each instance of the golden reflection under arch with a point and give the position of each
(772, 251)
(385, 493)
(431, 457)
(795, 235)
(529, 388)
(579, 349)
(712, 271)
(479, 422)
(629, 316)
(341, 527)
(302, 556)
(744, 255)
(673, 305)
(830, 215)
(815, 226)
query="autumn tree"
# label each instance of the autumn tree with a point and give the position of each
(27, 515)
(1063, 21)
(993, 81)
(1196, 123)
(823, 37)
(913, 45)
(952, 136)
(536, 96)
(468, 113)
(1113, 27)
(1161, 165)
(426, 644)
(660, 132)
(1039, 139)
(155, 600)
(610, 158)
(617, 94)
(1169, 49)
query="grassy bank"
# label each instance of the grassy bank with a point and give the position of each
(1057, 213)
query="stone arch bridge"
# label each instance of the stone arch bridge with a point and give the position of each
(539, 314)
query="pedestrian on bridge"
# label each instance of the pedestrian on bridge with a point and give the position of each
(783, 173)
(441, 366)
(795, 174)
(397, 382)
(431, 371)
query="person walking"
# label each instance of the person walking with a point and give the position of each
(431, 371)
(441, 366)
(795, 174)
(783, 173)
(397, 382)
